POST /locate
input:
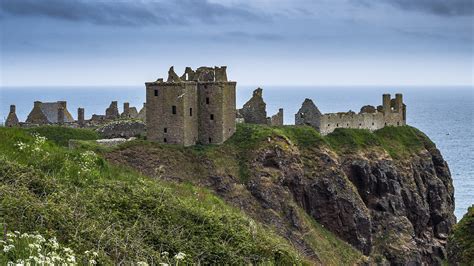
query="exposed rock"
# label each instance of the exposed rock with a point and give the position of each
(461, 241)
(122, 129)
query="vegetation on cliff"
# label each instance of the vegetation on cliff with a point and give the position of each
(90, 206)
(287, 180)
(461, 241)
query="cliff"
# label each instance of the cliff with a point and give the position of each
(389, 194)
(461, 241)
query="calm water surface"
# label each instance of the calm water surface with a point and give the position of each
(445, 114)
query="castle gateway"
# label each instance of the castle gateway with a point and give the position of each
(198, 107)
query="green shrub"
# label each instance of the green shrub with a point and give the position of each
(62, 135)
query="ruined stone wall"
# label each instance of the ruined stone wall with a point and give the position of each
(36, 115)
(277, 119)
(162, 125)
(308, 115)
(254, 110)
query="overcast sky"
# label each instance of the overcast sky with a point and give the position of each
(263, 42)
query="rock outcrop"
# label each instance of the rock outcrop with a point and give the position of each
(395, 210)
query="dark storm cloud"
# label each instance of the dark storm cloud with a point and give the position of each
(131, 13)
(437, 7)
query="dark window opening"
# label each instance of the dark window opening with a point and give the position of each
(360, 124)
(165, 129)
(207, 100)
(372, 123)
(156, 92)
(398, 123)
(302, 115)
(164, 140)
(385, 123)
(328, 124)
(190, 111)
(210, 140)
(174, 109)
(212, 116)
(347, 124)
(337, 124)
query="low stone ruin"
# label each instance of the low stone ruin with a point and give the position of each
(254, 111)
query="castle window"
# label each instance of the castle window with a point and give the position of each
(174, 109)
(212, 116)
(398, 123)
(156, 92)
(385, 123)
(329, 124)
(360, 124)
(165, 130)
(347, 124)
(165, 140)
(190, 111)
(207, 100)
(337, 124)
(372, 123)
(210, 140)
(302, 115)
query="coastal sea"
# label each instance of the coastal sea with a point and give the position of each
(445, 114)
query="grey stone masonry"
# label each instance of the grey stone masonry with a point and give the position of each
(80, 117)
(254, 110)
(391, 113)
(12, 119)
(277, 119)
(198, 107)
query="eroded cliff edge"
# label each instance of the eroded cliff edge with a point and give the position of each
(389, 193)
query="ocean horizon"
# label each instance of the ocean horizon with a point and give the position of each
(444, 113)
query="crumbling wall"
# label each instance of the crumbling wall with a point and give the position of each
(112, 112)
(254, 111)
(277, 119)
(36, 116)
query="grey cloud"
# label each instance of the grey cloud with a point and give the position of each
(437, 7)
(129, 13)
(237, 35)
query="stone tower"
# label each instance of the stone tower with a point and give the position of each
(80, 116)
(193, 108)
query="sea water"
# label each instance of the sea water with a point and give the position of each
(445, 114)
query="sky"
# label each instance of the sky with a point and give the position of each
(263, 42)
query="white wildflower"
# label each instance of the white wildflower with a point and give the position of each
(93, 262)
(164, 253)
(8, 248)
(142, 263)
(180, 256)
(164, 264)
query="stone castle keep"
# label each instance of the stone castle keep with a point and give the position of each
(198, 107)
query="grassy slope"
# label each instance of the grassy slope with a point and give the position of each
(462, 239)
(90, 205)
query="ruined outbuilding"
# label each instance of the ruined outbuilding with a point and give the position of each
(391, 113)
(12, 118)
(198, 107)
(49, 113)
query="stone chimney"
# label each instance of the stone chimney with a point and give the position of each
(37, 104)
(80, 116)
(126, 109)
(386, 103)
(60, 115)
(12, 119)
(12, 109)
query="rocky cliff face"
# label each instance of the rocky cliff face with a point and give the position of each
(392, 210)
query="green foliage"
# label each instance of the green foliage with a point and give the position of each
(124, 217)
(62, 135)
(399, 142)
(461, 241)
(347, 139)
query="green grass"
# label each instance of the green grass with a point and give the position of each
(89, 205)
(398, 142)
(62, 135)
(461, 241)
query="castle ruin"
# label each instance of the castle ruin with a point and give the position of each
(198, 107)
(254, 111)
(392, 112)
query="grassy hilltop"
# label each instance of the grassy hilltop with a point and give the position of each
(91, 206)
